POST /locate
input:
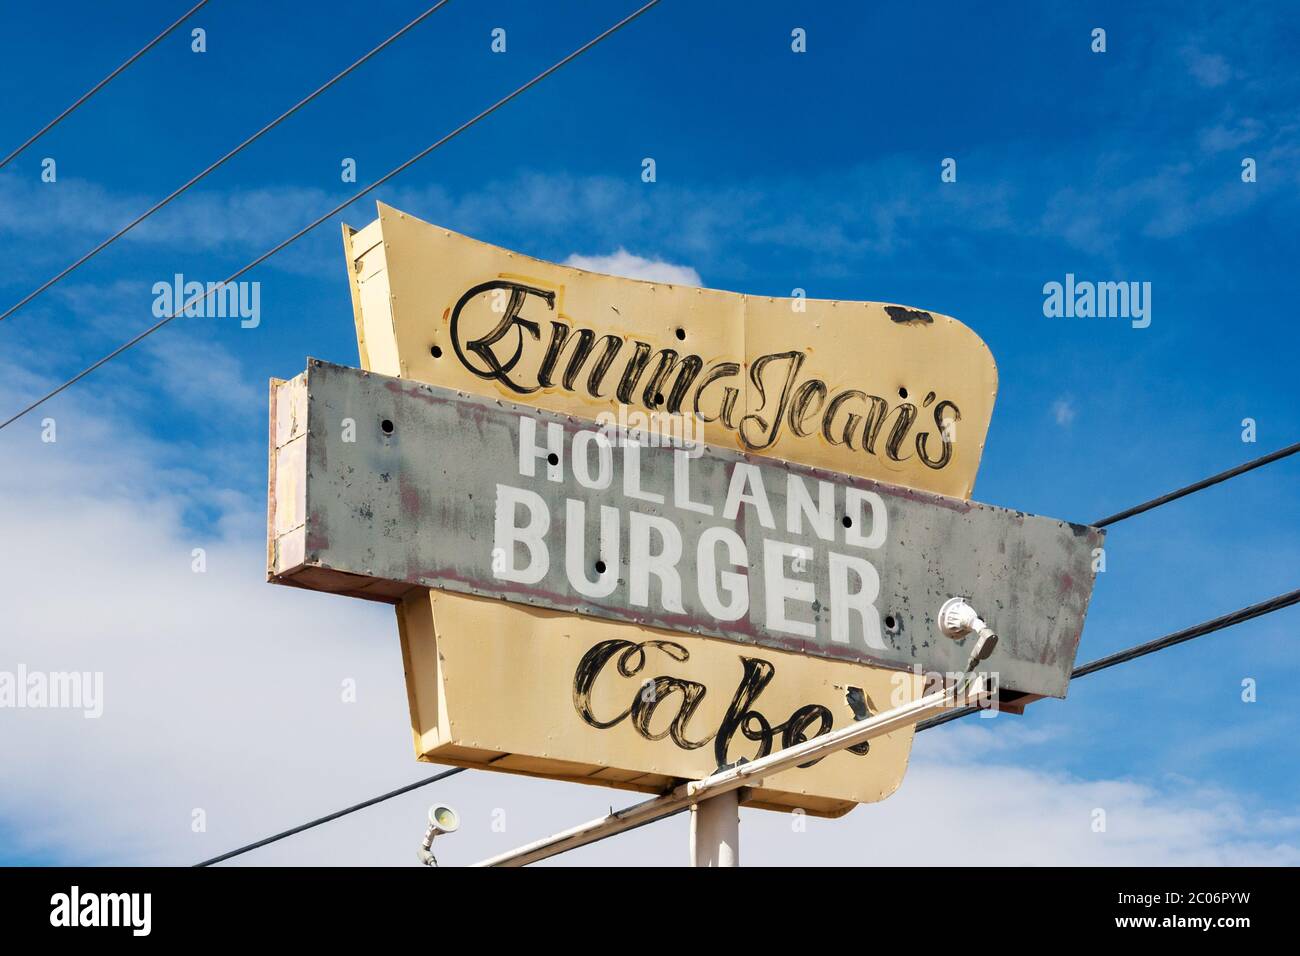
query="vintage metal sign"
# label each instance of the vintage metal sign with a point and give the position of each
(882, 391)
(538, 692)
(583, 607)
(396, 484)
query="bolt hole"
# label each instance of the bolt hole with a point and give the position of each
(553, 458)
(436, 351)
(600, 567)
(846, 521)
(681, 335)
(386, 426)
(902, 393)
(891, 622)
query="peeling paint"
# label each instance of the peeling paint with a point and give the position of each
(905, 316)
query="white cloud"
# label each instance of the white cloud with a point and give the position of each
(206, 219)
(631, 266)
(71, 216)
(198, 376)
(1208, 69)
(1063, 411)
(223, 693)
(820, 236)
(966, 803)
(1222, 137)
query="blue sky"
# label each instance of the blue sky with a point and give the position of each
(775, 171)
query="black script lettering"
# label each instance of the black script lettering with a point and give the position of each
(687, 371)
(688, 368)
(643, 710)
(585, 339)
(631, 660)
(727, 408)
(796, 360)
(875, 419)
(493, 368)
(757, 675)
(945, 435)
(581, 360)
(632, 372)
(741, 716)
(802, 407)
(850, 424)
(589, 669)
(898, 434)
(793, 732)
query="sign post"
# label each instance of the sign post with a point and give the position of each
(715, 830)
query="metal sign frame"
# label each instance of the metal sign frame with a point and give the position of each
(380, 485)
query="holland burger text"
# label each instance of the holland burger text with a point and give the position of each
(679, 534)
(634, 372)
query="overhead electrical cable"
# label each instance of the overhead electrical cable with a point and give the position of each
(102, 83)
(215, 287)
(335, 815)
(220, 162)
(1199, 485)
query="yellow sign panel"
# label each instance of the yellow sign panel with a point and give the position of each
(865, 388)
(539, 692)
(871, 389)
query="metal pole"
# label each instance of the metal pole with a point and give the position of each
(715, 830)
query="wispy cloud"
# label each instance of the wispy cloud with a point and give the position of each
(1210, 70)
(631, 266)
(1063, 412)
(841, 220)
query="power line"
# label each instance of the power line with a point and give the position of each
(220, 162)
(1179, 637)
(1197, 486)
(102, 83)
(1140, 650)
(1150, 647)
(335, 815)
(337, 209)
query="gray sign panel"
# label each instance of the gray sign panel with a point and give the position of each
(381, 484)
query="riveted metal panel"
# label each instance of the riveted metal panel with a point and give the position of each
(875, 389)
(407, 496)
(495, 686)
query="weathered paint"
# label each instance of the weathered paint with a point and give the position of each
(415, 506)
(493, 686)
(805, 373)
